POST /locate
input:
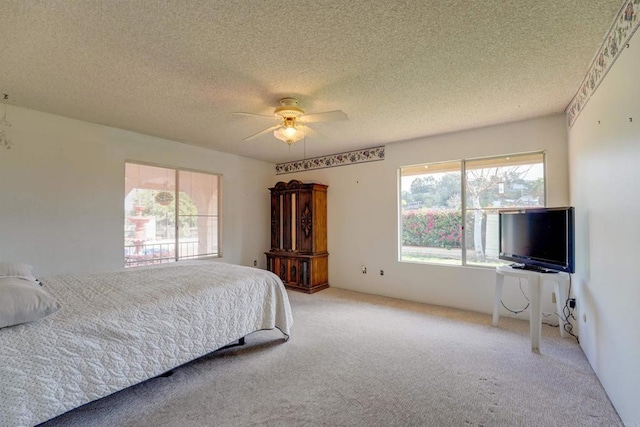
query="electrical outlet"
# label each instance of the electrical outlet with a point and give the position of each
(382, 272)
(364, 270)
(255, 262)
(572, 303)
(553, 297)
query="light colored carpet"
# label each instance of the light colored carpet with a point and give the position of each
(361, 360)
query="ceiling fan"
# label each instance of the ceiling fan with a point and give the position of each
(292, 121)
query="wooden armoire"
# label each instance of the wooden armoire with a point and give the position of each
(299, 235)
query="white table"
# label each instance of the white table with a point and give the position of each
(535, 280)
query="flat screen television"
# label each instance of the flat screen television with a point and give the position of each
(538, 239)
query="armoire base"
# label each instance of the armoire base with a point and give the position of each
(308, 290)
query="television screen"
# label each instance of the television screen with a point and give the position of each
(539, 239)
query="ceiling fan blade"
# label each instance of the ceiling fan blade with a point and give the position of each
(306, 129)
(241, 113)
(262, 132)
(311, 131)
(327, 116)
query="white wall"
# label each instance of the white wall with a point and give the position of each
(604, 149)
(363, 215)
(62, 193)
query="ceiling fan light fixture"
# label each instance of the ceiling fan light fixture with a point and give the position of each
(290, 132)
(290, 135)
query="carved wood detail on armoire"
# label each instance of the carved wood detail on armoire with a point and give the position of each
(298, 252)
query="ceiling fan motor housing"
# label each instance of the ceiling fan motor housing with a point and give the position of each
(288, 108)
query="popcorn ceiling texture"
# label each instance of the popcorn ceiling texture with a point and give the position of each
(400, 70)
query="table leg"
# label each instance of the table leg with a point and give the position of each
(535, 314)
(497, 297)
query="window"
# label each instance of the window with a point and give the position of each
(449, 211)
(170, 214)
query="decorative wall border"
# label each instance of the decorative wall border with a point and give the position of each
(621, 31)
(374, 154)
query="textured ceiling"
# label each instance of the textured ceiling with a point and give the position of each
(399, 69)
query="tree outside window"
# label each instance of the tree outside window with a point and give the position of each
(433, 210)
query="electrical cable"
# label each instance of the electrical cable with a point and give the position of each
(567, 313)
(525, 297)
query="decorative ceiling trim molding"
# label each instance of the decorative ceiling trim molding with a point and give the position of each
(624, 26)
(349, 158)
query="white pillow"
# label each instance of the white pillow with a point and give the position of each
(23, 301)
(16, 269)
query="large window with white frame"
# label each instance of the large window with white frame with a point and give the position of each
(169, 214)
(449, 210)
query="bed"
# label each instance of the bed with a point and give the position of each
(115, 330)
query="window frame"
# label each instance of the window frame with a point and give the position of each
(176, 195)
(463, 199)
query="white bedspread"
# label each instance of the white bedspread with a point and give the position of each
(118, 329)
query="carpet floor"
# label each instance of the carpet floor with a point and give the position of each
(361, 360)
